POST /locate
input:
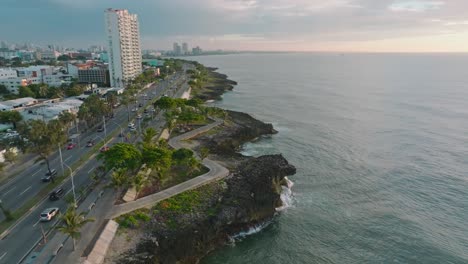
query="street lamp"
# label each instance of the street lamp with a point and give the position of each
(121, 130)
(73, 185)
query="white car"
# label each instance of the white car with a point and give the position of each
(139, 117)
(134, 109)
(130, 125)
(48, 214)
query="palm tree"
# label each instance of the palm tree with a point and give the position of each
(72, 223)
(66, 118)
(148, 136)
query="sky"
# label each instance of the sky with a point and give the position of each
(264, 25)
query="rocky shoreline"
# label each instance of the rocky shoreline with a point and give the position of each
(186, 227)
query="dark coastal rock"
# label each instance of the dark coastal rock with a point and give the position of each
(240, 128)
(247, 198)
(218, 86)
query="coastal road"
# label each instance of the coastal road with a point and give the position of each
(28, 231)
(27, 184)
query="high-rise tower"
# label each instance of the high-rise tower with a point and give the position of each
(123, 41)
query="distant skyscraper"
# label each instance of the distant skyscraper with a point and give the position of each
(123, 39)
(177, 49)
(185, 48)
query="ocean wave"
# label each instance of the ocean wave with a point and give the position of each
(251, 231)
(286, 195)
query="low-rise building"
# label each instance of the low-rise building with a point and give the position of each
(49, 54)
(8, 54)
(17, 103)
(6, 73)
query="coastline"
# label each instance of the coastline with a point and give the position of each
(185, 228)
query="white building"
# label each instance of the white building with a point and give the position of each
(49, 54)
(8, 73)
(123, 40)
(9, 54)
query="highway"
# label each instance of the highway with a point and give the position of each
(18, 191)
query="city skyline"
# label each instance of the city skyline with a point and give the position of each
(274, 25)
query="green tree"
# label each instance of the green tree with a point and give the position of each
(4, 89)
(122, 156)
(66, 119)
(55, 92)
(148, 136)
(139, 182)
(112, 100)
(182, 156)
(12, 117)
(204, 152)
(72, 222)
(24, 91)
(64, 58)
(43, 137)
(126, 100)
(157, 158)
(120, 179)
(165, 103)
(39, 90)
(93, 109)
(10, 156)
(186, 158)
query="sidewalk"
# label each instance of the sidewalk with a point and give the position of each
(64, 245)
(216, 172)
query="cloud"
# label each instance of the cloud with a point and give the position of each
(245, 24)
(415, 6)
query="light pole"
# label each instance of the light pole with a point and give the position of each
(121, 130)
(61, 160)
(105, 130)
(73, 184)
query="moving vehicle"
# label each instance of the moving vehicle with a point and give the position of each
(139, 117)
(104, 149)
(55, 195)
(130, 125)
(48, 176)
(48, 214)
(100, 129)
(90, 143)
(71, 145)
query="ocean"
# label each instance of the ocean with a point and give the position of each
(380, 142)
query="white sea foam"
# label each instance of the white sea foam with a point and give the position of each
(286, 195)
(252, 230)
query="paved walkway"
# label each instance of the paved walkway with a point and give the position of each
(216, 172)
(60, 242)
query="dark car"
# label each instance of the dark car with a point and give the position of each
(48, 176)
(90, 143)
(140, 105)
(145, 111)
(55, 195)
(100, 129)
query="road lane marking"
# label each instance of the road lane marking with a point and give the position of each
(3, 255)
(9, 190)
(91, 169)
(27, 189)
(35, 173)
(67, 159)
(68, 192)
(37, 223)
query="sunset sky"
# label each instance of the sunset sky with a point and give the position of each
(271, 25)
